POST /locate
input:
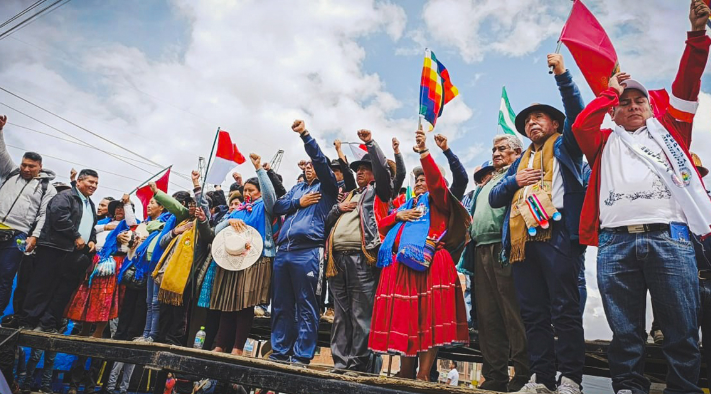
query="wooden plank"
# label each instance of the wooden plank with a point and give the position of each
(224, 367)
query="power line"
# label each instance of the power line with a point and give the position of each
(82, 128)
(23, 12)
(85, 145)
(78, 164)
(39, 13)
(91, 146)
(76, 125)
(67, 134)
(35, 20)
(82, 144)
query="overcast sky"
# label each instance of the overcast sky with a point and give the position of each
(159, 77)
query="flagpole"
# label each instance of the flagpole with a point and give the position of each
(419, 107)
(557, 48)
(207, 169)
(149, 179)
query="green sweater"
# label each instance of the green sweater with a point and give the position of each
(487, 222)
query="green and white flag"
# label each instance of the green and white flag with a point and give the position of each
(507, 116)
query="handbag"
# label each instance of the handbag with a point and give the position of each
(428, 252)
(129, 279)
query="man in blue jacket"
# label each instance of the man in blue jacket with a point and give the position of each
(546, 265)
(298, 265)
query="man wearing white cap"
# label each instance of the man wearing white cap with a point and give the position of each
(645, 199)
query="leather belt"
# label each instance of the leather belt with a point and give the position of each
(704, 274)
(640, 228)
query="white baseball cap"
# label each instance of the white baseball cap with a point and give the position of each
(633, 84)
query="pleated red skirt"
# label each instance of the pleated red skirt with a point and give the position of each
(416, 311)
(98, 302)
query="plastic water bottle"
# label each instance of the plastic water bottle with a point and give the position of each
(22, 245)
(200, 338)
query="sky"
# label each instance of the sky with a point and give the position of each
(159, 77)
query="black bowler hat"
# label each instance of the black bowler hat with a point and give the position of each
(553, 112)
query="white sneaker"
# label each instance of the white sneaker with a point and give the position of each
(568, 386)
(533, 387)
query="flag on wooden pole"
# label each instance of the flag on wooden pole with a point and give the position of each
(227, 157)
(436, 89)
(145, 194)
(590, 46)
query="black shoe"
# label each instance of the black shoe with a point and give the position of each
(48, 330)
(492, 385)
(10, 321)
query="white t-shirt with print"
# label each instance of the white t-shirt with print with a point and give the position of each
(630, 192)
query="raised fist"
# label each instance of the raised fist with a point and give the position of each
(299, 126)
(256, 160)
(441, 141)
(365, 135)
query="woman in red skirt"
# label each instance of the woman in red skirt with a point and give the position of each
(419, 304)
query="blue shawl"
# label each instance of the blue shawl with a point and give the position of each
(413, 238)
(139, 259)
(158, 251)
(110, 245)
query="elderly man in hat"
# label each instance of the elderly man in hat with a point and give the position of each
(647, 201)
(351, 251)
(543, 193)
(501, 330)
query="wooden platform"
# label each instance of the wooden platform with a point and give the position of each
(224, 367)
(596, 363)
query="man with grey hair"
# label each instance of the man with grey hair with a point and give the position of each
(501, 330)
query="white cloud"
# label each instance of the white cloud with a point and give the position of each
(249, 67)
(476, 27)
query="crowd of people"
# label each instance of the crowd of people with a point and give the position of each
(388, 261)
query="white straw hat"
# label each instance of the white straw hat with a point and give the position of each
(235, 251)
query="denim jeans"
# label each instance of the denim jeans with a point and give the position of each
(153, 310)
(705, 323)
(10, 257)
(627, 266)
(125, 378)
(47, 369)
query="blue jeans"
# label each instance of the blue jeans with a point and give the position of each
(295, 305)
(705, 323)
(548, 294)
(10, 257)
(152, 311)
(47, 369)
(627, 266)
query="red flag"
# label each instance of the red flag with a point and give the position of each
(659, 100)
(590, 46)
(145, 194)
(227, 156)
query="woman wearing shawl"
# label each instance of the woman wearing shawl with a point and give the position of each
(142, 261)
(236, 293)
(419, 304)
(97, 298)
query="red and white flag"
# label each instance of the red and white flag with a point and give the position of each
(359, 150)
(226, 158)
(145, 194)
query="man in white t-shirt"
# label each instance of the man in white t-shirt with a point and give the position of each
(644, 201)
(453, 374)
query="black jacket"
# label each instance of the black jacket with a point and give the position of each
(61, 227)
(382, 189)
